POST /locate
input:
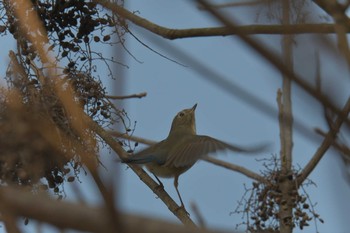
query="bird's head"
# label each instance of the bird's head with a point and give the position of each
(185, 121)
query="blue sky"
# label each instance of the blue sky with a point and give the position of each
(220, 114)
(223, 115)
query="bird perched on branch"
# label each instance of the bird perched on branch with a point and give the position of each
(181, 149)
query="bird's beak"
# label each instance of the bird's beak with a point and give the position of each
(194, 107)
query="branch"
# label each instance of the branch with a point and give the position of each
(212, 160)
(140, 95)
(236, 168)
(273, 58)
(342, 24)
(327, 142)
(263, 50)
(66, 215)
(344, 150)
(280, 119)
(172, 34)
(236, 4)
(180, 213)
(286, 124)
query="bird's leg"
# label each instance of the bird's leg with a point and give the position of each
(176, 184)
(160, 182)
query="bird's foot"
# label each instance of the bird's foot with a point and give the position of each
(160, 186)
(182, 207)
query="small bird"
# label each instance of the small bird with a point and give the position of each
(181, 149)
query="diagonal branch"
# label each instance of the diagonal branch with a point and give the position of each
(327, 142)
(342, 148)
(180, 213)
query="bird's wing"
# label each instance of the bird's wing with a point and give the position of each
(147, 155)
(196, 147)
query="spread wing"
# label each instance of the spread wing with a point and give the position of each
(198, 146)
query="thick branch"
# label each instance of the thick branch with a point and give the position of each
(65, 215)
(286, 185)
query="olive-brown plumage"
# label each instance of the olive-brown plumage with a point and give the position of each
(181, 149)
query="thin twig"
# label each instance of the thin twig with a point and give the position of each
(140, 95)
(236, 168)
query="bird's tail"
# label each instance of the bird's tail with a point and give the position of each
(138, 160)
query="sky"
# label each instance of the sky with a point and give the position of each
(221, 113)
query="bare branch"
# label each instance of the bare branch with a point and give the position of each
(172, 34)
(236, 168)
(67, 215)
(286, 128)
(327, 142)
(343, 149)
(180, 213)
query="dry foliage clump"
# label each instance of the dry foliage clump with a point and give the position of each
(52, 92)
(39, 141)
(261, 203)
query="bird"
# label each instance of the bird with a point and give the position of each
(182, 148)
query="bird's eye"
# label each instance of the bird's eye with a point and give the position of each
(181, 114)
